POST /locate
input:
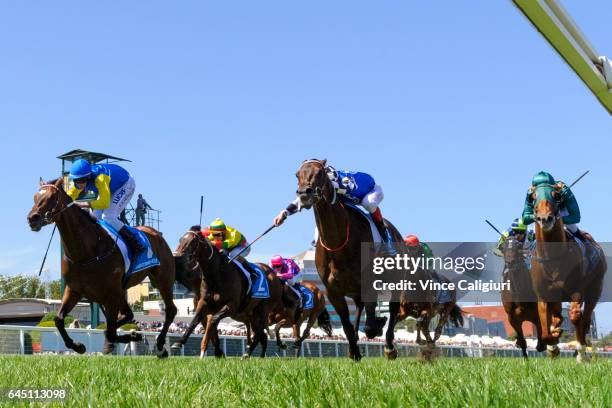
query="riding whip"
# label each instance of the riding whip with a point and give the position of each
(201, 209)
(252, 242)
(46, 252)
(579, 178)
(493, 226)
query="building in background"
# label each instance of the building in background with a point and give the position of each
(29, 312)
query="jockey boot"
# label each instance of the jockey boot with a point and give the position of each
(388, 247)
(132, 241)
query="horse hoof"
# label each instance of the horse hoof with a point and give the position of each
(282, 346)
(390, 354)
(221, 355)
(355, 357)
(540, 347)
(176, 346)
(245, 356)
(372, 332)
(79, 348)
(163, 353)
(553, 351)
(108, 349)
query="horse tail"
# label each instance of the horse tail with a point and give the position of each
(456, 316)
(324, 322)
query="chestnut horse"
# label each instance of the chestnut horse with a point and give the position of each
(338, 254)
(516, 299)
(222, 293)
(560, 273)
(93, 267)
(287, 318)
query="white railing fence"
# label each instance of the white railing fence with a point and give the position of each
(43, 340)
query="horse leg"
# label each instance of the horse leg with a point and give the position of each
(516, 324)
(339, 303)
(312, 317)
(197, 318)
(277, 327)
(259, 332)
(110, 333)
(359, 309)
(69, 301)
(374, 325)
(208, 333)
(125, 313)
(442, 321)
(217, 344)
(166, 294)
(296, 335)
(390, 350)
(586, 327)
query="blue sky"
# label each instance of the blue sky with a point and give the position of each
(451, 108)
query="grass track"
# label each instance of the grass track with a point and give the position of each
(337, 382)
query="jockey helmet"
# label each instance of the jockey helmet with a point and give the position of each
(79, 169)
(411, 240)
(518, 225)
(217, 226)
(276, 260)
(332, 173)
(542, 177)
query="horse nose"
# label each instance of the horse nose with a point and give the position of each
(34, 218)
(549, 218)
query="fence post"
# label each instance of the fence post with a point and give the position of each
(320, 348)
(337, 353)
(21, 342)
(56, 342)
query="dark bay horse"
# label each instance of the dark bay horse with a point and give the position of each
(93, 267)
(560, 273)
(222, 293)
(287, 318)
(515, 299)
(338, 254)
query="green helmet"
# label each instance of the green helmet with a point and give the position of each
(542, 177)
(518, 225)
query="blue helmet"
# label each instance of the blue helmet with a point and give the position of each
(80, 169)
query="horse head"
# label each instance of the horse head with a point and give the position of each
(513, 251)
(195, 250)
(49, 202)
(546, 201)
(313, 183)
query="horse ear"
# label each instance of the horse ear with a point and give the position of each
(59, 182)
(324, 162)
(41, 182)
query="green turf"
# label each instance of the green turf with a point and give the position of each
(337, 382)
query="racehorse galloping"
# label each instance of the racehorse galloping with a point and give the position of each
(223, 292)
(287, 318)
(93, 267)
(560, 273)
(521, 289)
(337, 256)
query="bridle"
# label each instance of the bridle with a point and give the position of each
(317, 192)
(50, 216)
(199, 239)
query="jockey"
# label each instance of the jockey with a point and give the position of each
(113, 187)
(569, 209)
(413, 241)
(288, 271)
(518, 230)
(226, 238)
(357, 187)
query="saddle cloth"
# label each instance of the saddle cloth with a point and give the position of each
(144, 260)
(260, 288)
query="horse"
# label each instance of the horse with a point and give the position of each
(560, 273)
(426, 306)
(223, 292)
(93, 267)
(514, 300)
(287, 318)
(341, 234)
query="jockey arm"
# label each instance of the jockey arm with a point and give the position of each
(528, 210)
(498, 249)
(102, 183)
(571, 205)
(291, 270)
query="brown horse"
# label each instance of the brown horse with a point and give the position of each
(560, 273)
(286, 317)
(425, 306)
(515, 302)
(338, 254)
(93, 267)
(223, 292)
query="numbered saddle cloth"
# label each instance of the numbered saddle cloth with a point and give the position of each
(260, 288)
(307, 297)
(144, 260)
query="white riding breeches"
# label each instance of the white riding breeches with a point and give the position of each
(371, 201)
(119, 200)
